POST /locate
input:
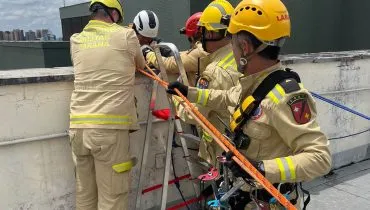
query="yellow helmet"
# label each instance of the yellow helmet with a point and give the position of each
(113, 4)
(268, 20)
(214, 12)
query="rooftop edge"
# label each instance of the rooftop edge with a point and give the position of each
(42, 75)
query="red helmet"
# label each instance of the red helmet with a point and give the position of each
(191, 25)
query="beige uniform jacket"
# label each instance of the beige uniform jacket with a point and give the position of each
(104, 58)
(189, 58)
(220, 74)
(284, 131)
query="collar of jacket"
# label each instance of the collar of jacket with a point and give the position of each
(197, 44)
(221, 53)
(251, 82)
(99, 23)
(214, 57)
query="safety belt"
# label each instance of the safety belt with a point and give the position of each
(305, 202)
(248, 106)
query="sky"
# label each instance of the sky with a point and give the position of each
(32, 14)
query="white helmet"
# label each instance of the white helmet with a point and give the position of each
(146, 23)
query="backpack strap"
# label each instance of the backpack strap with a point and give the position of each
(286, 79)
(308, 199)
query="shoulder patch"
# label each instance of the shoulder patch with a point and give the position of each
(300, 109)
(257, 113)
(202, 83)
(290, 85)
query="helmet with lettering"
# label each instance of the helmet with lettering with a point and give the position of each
(268, 20)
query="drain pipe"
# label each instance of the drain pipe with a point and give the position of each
(38, 138)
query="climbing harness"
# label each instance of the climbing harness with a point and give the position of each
(226, 145)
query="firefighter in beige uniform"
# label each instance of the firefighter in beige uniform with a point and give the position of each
(102, 113)
(190, 58)
(220, 73)
(285, 141)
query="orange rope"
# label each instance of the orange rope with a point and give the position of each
(153, 76)
(226, 145)
(151, 71)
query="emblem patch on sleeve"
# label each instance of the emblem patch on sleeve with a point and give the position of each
(300, 108)
(203, 83)
(257, 113)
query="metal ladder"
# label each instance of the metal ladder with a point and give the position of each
(173, 123)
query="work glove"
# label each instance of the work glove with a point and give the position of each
(238, 171)
(145, 49)
(181, 87)
(165, 51)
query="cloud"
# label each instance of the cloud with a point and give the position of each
(32, 14)
(11, 17)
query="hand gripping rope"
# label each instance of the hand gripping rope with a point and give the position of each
(226, 145)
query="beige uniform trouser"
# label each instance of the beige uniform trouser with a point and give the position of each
(95, 151)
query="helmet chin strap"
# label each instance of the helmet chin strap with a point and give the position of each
(243, 61)
(110, 15)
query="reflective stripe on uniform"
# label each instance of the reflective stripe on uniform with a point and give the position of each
(286, 167)
(101, 119)
(176, 103)
(276, 94)
(122, 167)
(227, 58)
(235, 65)
(203, 96)
(291, 167)
(206, 137)
(227, 61)
(231, 63)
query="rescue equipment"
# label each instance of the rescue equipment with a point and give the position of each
(227, 146)
(146, 23)
(173, 123)
(340, 106)
(191, 25)
(112, 4)
(263, 20)
(210, 20)
(212, 15)
(274, 86)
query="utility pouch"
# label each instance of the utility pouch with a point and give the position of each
(241, 140)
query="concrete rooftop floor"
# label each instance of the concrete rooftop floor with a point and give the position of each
(346, 188)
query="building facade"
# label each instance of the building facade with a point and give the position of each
(317, 26)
